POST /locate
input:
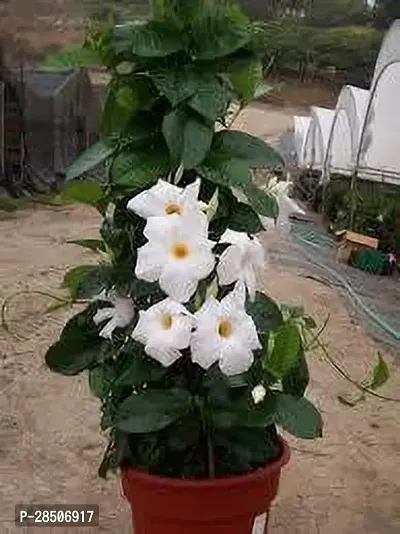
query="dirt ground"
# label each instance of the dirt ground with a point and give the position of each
(50, 444)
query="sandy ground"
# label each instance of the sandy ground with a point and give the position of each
(50, 444)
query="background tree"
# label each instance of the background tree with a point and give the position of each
(386, 11)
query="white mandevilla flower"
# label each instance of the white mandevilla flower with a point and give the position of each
(168, 200)
(258, 393)
(224, 333)
(118, 315)
(164, 330)
(243, 261)
(176, 256)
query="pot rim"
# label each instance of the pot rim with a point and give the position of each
(214, 483)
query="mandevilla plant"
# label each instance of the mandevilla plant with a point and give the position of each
(194, 367)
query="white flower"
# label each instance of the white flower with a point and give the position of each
(164, 329)
(177, 256)
(258, 393)
(119, 314)
(224, 333)
(168, 200)
(243, 261)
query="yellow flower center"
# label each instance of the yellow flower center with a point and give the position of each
(171, 209)
(180, 251)
(166, 321)
(225, 329)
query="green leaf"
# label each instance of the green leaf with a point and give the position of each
(248, 147)
(264, 89)
(245, 81)
(223, 170)
(218, 31)
(91, 244)
(380, 374)
(85, 281)
(122, 101)
(136, 170)
(78, 347)
(298, 417)
(242, 413)
(125, 97)
(91, 158)
(155, 39)
(197, 139)
(83, 192)
(101, 379)
(211, 98)
(244, 219)
(176, 85)
(71, 58)
(152, 410)
(285, 351)
(173, 130)
(265, 313)
(141, 369)
(295, 382)
(212, 206)
(263, 203)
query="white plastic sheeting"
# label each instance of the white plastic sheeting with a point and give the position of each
(346, 130)
(301, 126)
(389, 52)
(317, 138)
(380, 148)
(362, 133)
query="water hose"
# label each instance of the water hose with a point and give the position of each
(307, 237)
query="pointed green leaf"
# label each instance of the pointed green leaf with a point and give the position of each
(101, 379)
(71, 58)
(173, 130)
(78, 347)
(245, 219)
(224, 170)
(212, 206)
(242, 145)
(85, 281)
(380, 374)
(91, 158)
(285, 350)
(295, 382)
(211, 98)
(136, 170)
(83, 192)
(245, 81)
(298, 417)
(243, 413)
(152, 410)
(262, 202)
(177, 85)
(197, 139)
(155, 39)
(265, 313)
(218, 31)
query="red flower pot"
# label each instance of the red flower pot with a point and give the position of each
(219, 506)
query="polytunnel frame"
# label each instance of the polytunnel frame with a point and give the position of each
(315, 120)
(353, 144)
(326, 172)
(357, 167)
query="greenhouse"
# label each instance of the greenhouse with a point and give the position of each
(358, 135)
(317, 137)
(346, 130)
(301, 126)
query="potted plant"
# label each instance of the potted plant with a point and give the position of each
(194, 367)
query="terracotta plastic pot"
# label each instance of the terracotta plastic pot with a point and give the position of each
(236, 505)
